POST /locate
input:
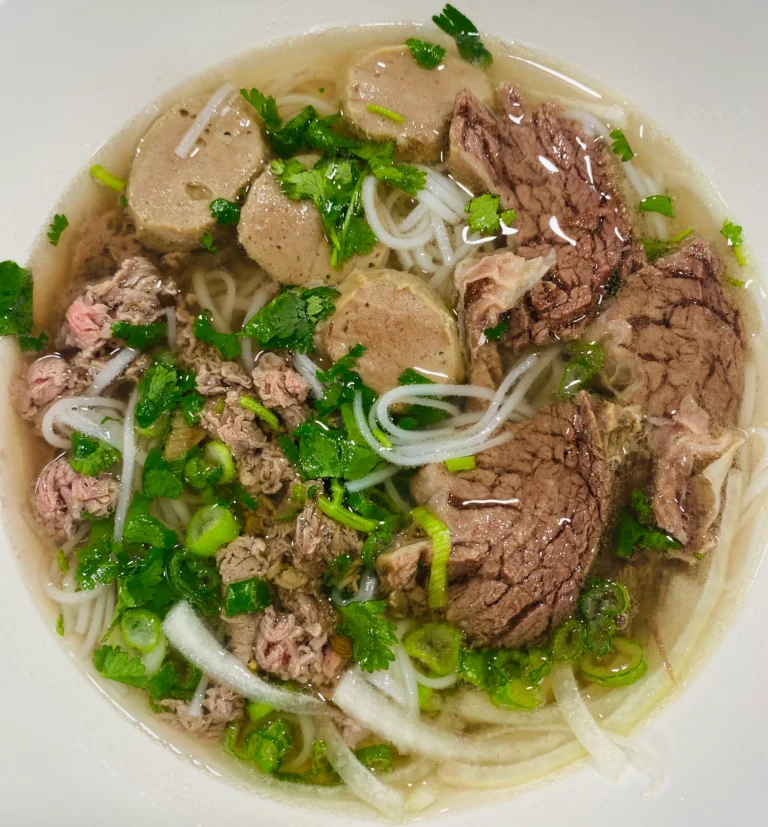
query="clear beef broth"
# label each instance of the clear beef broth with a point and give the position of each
(313, 65)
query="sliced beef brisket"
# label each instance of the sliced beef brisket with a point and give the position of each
(558, 181)
(524, 524)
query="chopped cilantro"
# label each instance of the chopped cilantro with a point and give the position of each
(207, 242)
(28, 343)
(226, 213)
(92, 456)
(734, 235)
(123, 201)
(265, 106)
(410, 376)
(96, 563)
(15, 299)
(140, 336)
(289, 320)
(157, 479)
(427, 55)
(341, 381)
(161, 389)
(141, 528)
(325, 452)
(661, 204)
(465, 33)
(620, 145)
(337, 570)
(484, 214)
(246, 597)
(637, 529)
(494, 334)
(58, 225)
(227, 344)
(117, 665)
(584, 361)
(373, 636)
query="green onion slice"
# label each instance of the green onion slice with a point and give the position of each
(103, 176)
(262, 412)
(217, 453)
(210, 528)
(141, 629)
(622, 665)
(460, 464)
(345, 516)
(435, 646)
(440, 537)
(568, 643)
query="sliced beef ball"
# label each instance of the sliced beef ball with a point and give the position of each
(671, 333)
(558, 181)
(391, 78)
(62, 495)
(136, 293)
(281, 388)
(169, 197)
(524, 524)
(286, 238)
(401, 321)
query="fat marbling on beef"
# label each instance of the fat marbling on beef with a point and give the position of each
(525, 524)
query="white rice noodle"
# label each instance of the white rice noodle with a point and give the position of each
(446, 190)
(96, 625)
(170, 316)
(109, 612)
(394, 495)
(366, 588)
(114, 367)
(71, 598)
(411, 220)
(359, 779)
(129, 466)
(422, 797)
(595, 112)
(463, 251)
(194, 640)
(609, 759)
(195, 708)
(369, 707)
(204, 117)
(372, 479)
(295, 103)
(65, 412)
(421, 233)
(644, 186)
(221, 314)
(389, 681)
(443, 242)
(437, 207)
(307, 727)
(308, 370)
(409, 679)
(261, 296)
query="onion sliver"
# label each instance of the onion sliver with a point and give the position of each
(129, 464)
(187, 633)
(114, 367)
(204, 116)
(308, 370)
(360, 780)
(355, 696)
(610, 759)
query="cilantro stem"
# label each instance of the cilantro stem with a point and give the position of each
(375, 109)
(105, 177)
(345, 516)
(460, 464)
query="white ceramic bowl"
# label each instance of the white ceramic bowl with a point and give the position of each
(71, 73)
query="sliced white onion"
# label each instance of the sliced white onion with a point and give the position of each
(610, 759)
(187, 633)
(372, 479)
(114, 367)
(153, 659)
(204, 116)
(65, 598)
(409, 680)
(195, 708)
(355, 696)
(421, 797)
(367, 587)
(95, 627)
(170, 315)
(389, 681)
(307, 726)
(129, 465)
(308, 370)
(359, 779)
(643, 760)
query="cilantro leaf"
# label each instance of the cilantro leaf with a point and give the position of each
(208, 243)
(157, 479)
(117, 665)
(142, 528)
(484, 217)
(290, 138)
(327, 453)
(341, 381)
(15, 299)
(655, 248)
(96, 564)
(620, 145)
(637, 529)
(58, 225)
(227, 344)
(140, 336)
(661, 204)
(91, 456)
(288, 322)
(226, 213)
(494, 334)
(161, 388)
(142, 582)
(734, 235)
(465, 33)
(403, 176)
(265, 106)
(410, 376)
(427, 55)
(28, 343)
(373, 636)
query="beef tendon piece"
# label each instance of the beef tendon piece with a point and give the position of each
(525, 524)
(558, 181)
